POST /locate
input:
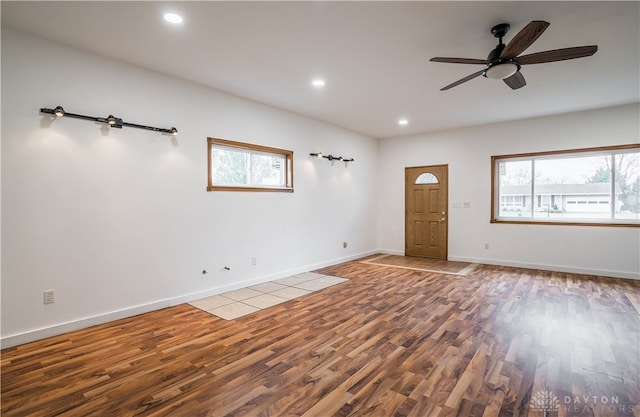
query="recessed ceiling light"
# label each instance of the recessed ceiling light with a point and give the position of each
(173, 18)
(403, 122)
(318, 83)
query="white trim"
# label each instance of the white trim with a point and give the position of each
(265, 278)
(378, 260)
(57, 329)
(556, 268)
(391, 252)
(61, 328)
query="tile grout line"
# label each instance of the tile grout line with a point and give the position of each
(262, 293)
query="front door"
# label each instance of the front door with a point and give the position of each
(426, 225)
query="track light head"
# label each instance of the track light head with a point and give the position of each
(114, 121)
(174, 131)
(58, 111)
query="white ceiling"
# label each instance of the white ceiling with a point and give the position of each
(374, 56)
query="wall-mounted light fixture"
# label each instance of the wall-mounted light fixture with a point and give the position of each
(110, 120)
(332, 158)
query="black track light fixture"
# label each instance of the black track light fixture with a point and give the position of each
(110, 120)
(332, 158)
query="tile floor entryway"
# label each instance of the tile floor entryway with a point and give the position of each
(440, 266)
(233, 304)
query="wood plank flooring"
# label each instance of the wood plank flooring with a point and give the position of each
(389, 342)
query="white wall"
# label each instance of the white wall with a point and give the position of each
(611, 251)
(119, 222)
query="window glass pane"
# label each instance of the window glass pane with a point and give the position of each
(229, 166)
(573, 187)
(268, 169)
(426, 178)
(597, 186)
(238, 166)
(627, 168)
(515, 188)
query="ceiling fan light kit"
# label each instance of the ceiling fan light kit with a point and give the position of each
(501, 71)
(504, 61)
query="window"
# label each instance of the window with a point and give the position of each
(595, 186)
(237, 166)
(426, 178)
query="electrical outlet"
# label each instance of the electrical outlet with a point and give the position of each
(254, 261)
(48, 297)
(345, 244)
(486, 246)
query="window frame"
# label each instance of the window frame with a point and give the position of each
(249, 148)
(495, 188)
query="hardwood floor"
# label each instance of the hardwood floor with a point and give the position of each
(421, 264)
(389, 342)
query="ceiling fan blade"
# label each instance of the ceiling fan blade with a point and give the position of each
(524, 39)
(459, 60)
(557, 55)
(463, 80)
(515, 81)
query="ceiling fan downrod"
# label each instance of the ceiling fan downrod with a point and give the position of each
(499, 31)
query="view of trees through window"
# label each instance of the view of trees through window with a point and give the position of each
(229, 166)
(601, 186)
(233, 167)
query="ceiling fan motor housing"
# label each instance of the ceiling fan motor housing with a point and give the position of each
(494, 55)
(495, 60)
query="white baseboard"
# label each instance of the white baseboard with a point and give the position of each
(391, 252)
(265, 278)
(61, 328)
(544, 267)
(57, 329)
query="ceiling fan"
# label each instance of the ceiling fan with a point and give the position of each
(504, 62)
